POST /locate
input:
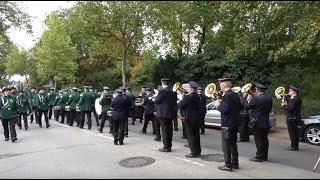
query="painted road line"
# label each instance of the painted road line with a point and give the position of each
(187, 160)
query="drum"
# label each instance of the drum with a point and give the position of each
(78, 109)
(97, 106)
(67, 108)
(56, 108)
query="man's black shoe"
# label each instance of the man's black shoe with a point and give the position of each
(157, 139)
(244, 141)
(47, 126)
(121, 143)
(254, 159)
(40, 126)
(115, 142)
(292, 149)
(143, 132)
(26, 128)
(164, 150)
(235, 166)
(20, 127)
(191, 156)
(14, 140)
(6, 139)
(187, 145)
(225, 168)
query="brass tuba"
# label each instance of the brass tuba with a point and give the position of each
(280, 93)
(236, 89)
(212, 92)
(248, 88)
(177, 87)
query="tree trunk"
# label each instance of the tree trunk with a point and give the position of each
(202, 40)
(124, 66)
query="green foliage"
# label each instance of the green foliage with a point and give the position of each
(55, 54)
(16, 62)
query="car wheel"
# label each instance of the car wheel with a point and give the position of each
(312, 135)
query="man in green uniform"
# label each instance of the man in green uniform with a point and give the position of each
(52, 97)
(85, 104)
(95, 96)
(73, 101)
(132, 111)
(34, 104)
(8, 112)
(23, 107)
(56, 111)
(62, 102)
(105, 102)
(78, 112)
(43, 107)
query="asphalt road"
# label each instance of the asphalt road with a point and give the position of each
(69, 152)
(303, 159)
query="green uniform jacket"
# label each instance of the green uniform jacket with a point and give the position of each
(132, 98)
(85, 102)
(43, 101)
(105, 102)
(34, 100)
(8, 108)
(52, 97)
(73, 100)
(23, 106)
(64, 100)
(95, 96)
(57, 100)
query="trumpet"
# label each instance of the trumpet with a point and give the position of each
(280, 93)
(212, 92)
(177, 87)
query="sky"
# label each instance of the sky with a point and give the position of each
(38, 10)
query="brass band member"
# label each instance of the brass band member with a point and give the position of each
(149, 106)
(105, 102)
(23, 108)
(8, 113)
(203, 109)
(190, 105)
(43, 107)
(293, 113)
(260, 106)
(229, 106)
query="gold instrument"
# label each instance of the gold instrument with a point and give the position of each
(236, 89)
(212, 92)
(280, 93)
(177, 87)
(248, 88)
(19, 100)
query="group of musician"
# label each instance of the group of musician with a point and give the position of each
(161, 108)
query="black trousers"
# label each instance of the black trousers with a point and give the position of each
(202, 116)
(167, 132)
(96, 116)
(184, 129)
(5, 124)
(243, 127)
(262, 142)
(56, 114)
(67, 114)
(104, 117)
(293, 133)
(25, 120)
(230, 149)
(132, 114)
(34, 115)
(157, 127)
(45, 113)
(62, 113)
(126, 127)
(78, 118)
(147, 119)
(50, 111)
(193, 134)
(118, 132)
(73, 117)
(175, 122)
(83, 113)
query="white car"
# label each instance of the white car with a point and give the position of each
(213, 117)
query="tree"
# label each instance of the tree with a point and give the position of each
(55, 54)
(16, 62)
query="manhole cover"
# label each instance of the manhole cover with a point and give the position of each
(134, 162)
(213, 157)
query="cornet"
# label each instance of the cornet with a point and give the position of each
(211, 91)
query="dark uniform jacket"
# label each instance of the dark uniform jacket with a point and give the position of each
(43, 101)
(293, 108)
(85, 102)
(190, 106)
(121, 106)
(260, 107)
(105, 102)
(52, 97)
(203, 104)
(230, 108)
(73, 100)
(149, 105)
(166, 103)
